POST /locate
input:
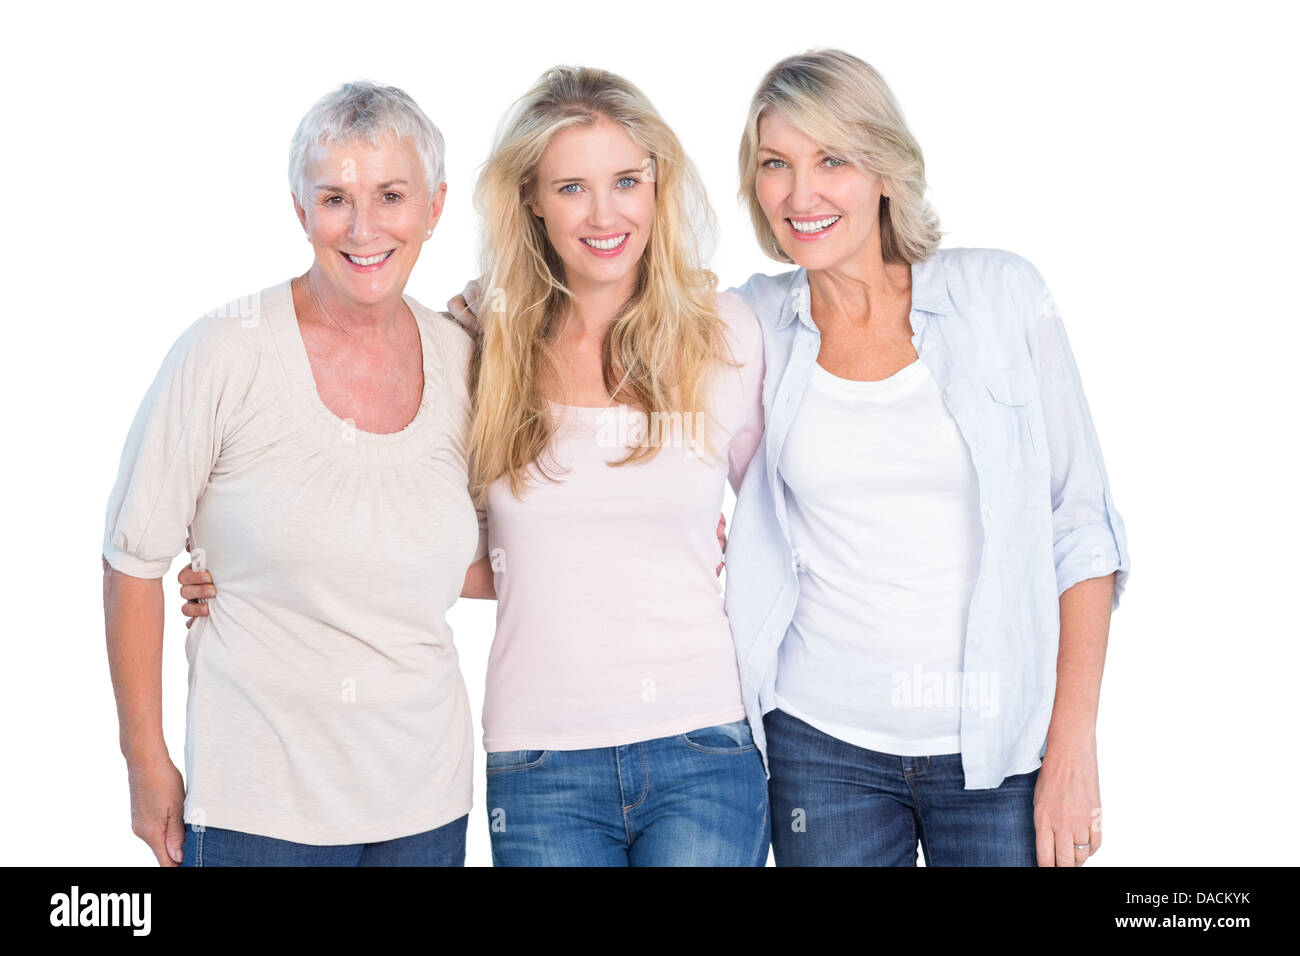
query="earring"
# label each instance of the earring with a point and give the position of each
(429, 234)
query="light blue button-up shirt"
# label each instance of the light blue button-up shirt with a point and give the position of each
(985, 325)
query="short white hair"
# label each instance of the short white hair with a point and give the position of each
(365, 112)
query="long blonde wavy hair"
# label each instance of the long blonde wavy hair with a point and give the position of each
(657, 350)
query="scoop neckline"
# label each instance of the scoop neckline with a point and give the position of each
(902, 378)
(374, 438)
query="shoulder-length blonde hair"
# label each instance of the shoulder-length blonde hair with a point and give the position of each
(845, 105)
(659, 345)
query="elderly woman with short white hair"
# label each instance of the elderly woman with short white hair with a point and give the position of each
(310, 440)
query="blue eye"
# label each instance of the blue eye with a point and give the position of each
(570, 188)
(835, 163)
(771, 163)
(627, 179)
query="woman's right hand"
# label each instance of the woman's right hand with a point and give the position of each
(464, 308)
(196, 586)
(158, 807)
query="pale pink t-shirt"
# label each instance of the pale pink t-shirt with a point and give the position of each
(610, 626)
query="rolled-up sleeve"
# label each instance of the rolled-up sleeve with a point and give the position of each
(1088, 533)
(170, 451)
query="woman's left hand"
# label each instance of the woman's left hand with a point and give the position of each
(722, 541)
(1067, 807)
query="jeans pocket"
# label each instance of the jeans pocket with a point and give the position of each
(503, 761)
(733, 738)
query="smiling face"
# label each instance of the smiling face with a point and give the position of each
(597, 199)
(823, 209)
(367, 212)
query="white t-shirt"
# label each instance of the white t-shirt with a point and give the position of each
(610, 625)
(884, 518)
(326, 704)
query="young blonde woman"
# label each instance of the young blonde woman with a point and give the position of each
(616, 394)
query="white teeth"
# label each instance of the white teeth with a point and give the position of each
(606, 243)
(817, 225)
(373, 260)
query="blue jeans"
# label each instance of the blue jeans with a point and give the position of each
(694, 799)
(835, 804)
(213, 846)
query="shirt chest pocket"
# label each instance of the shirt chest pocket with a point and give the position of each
(1017, 417)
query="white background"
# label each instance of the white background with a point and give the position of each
(1141, 155)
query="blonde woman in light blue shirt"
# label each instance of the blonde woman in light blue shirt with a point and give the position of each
(924, 554)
